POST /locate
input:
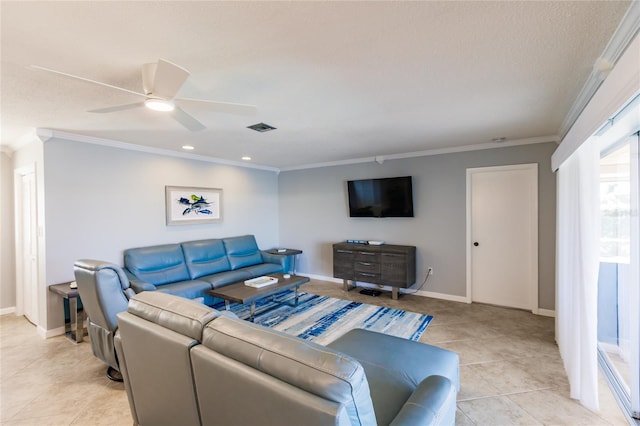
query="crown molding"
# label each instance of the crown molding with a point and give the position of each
(19, 142)
(47, 134)
(619, 42)
(5, 149)
(438, 151)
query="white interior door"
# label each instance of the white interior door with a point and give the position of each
(28, 247)
(502, 236)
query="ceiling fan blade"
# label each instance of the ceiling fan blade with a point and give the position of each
(64, 74)
(117, 108)
(148, 74)
(227, 107)
(186, 120)
(169, 79)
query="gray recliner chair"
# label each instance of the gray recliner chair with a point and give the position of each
(105, 292)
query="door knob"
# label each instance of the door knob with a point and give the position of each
(476, 244)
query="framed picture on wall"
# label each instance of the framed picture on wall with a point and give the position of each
(187, 205)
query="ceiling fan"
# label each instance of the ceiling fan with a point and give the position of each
(161, 82)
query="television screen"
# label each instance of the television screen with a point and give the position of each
(387, 197)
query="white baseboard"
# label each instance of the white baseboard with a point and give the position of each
(323, 278)
(52, 333)
(59, 331)
(431, 294)
(9, 310)
(443, 296)
(546, 312)
(42, 332)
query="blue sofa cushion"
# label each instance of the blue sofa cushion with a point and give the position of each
(205, 257)
(191, 289)
(157, 264)
(263, 269)
(242, 251)
(227, 277)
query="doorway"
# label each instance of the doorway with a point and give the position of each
(26, 244)
(502, 236)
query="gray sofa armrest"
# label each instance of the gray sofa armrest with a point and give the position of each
(433, 402)
(275, 258)
(138, 285)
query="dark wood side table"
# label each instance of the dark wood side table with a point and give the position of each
(73, 314)
(286, 252)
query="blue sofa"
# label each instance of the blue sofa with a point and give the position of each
(191, 268)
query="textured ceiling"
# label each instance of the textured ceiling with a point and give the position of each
(339, 80)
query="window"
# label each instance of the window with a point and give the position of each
(618, 280)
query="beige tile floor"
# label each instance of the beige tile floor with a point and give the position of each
(510, 368)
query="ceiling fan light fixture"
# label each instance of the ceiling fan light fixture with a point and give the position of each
(159, 105)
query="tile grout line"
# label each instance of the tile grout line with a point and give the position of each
(507, 394)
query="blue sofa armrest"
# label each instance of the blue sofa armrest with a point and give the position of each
(433, 402)
(283, 261)
(137, 284)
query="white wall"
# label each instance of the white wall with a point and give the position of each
(7, 257)
(101, 201)
(314, 214)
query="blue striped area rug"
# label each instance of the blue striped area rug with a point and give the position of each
(323, 319)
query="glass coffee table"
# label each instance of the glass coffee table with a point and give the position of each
(238, 292)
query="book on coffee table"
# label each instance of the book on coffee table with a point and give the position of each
(261, 281)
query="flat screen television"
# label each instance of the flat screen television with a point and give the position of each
(386, 197)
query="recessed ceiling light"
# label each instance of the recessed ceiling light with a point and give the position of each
(187, 147)
(159, 105)
(246, 158)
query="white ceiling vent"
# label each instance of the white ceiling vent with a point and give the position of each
(261, 127)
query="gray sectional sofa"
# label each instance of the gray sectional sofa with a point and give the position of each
(191, 268)
(185, 363)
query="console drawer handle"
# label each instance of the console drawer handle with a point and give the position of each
(392, 255)
(344, 251)
(367, 254)
(367, 275)
(365, 263)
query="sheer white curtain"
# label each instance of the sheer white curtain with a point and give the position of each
(577, 271)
